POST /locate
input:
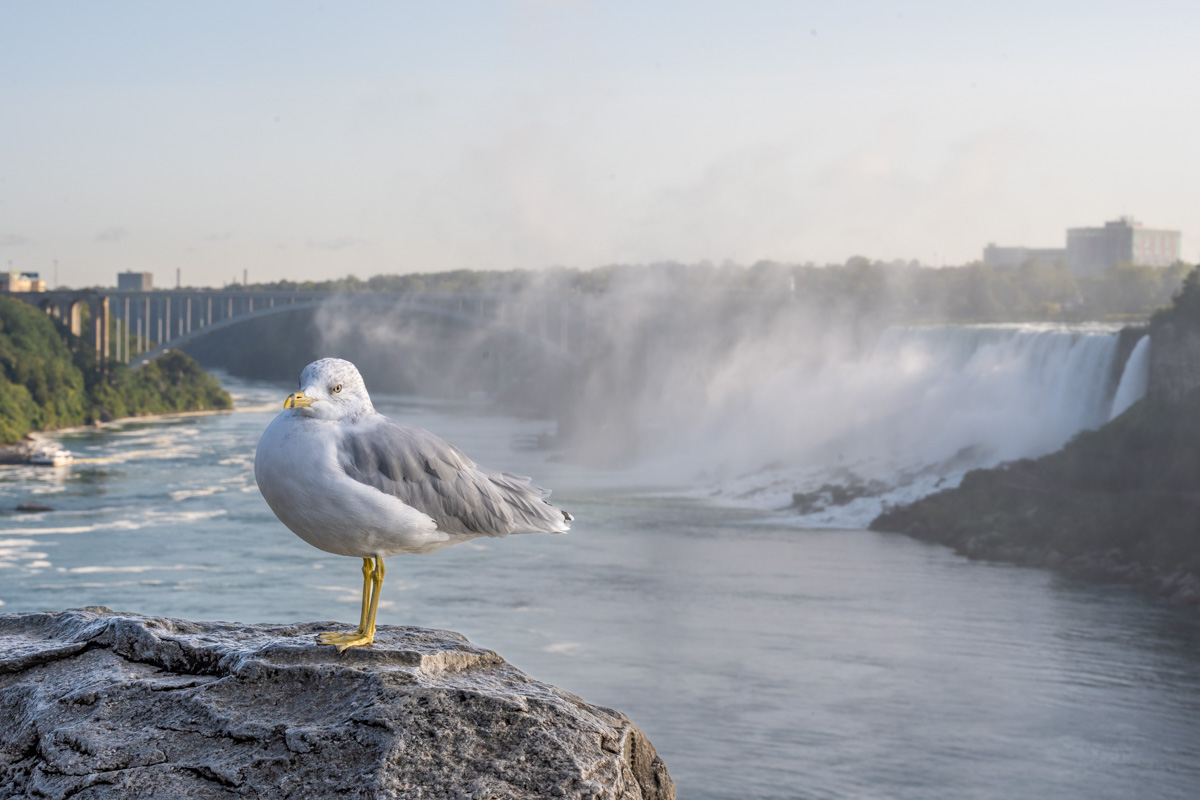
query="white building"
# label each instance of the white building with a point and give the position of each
(17, 281)
(1091, 251)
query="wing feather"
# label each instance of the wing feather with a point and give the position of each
(436, 478)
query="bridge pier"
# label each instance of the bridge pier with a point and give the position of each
(101, 319)
(75, 322)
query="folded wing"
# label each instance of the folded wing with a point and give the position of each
(436, 478)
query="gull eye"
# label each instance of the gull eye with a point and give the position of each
(337, 388)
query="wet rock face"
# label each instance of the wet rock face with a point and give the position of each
(1174, 361)
(96, 704)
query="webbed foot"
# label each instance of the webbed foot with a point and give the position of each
(348, 640)
(331, 637)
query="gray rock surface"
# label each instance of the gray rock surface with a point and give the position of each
(99, 704)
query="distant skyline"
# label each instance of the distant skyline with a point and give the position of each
(309, 141)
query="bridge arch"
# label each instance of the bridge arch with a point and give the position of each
(148, 323)
(67, 307)
(74, 315)
(409, 304)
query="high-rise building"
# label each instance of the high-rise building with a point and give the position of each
(135, 281)
(1091, 251)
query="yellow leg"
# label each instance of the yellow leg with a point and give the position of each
(368, 568)
(333, 638)
(372, 584)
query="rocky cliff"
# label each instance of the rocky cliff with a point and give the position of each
(96, 703)
(1175, 344)
(1174, 360)
(1120, 502)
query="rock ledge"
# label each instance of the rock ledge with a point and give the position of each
(96, 703)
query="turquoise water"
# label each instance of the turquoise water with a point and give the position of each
(763, 660)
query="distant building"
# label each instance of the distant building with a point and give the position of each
(135, 281)
(17, 281)
(1091, 251)
(994, 256)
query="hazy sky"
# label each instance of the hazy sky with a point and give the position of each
(307, 141)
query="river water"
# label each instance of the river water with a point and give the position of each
(764, 660)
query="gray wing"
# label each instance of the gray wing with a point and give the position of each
(436, 478)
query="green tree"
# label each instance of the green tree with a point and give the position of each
(50, 379)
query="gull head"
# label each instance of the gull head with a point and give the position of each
(330, 389)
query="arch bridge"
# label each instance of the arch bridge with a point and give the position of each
(137, 326)
(67, 306)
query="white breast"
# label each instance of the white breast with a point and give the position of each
(296, 466)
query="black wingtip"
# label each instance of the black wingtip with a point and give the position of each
(567, 516)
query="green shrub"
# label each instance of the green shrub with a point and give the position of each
(50, 379)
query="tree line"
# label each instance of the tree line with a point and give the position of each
(900, 291)
(51, 379)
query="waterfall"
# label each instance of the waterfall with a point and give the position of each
(1134, 378)
(924, 406)
(1005, 391)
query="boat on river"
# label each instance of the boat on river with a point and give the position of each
(52, 457)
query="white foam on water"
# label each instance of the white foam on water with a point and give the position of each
(184, 494)
(91, 570)
(149, 518)
(75, 529)
(155, 517)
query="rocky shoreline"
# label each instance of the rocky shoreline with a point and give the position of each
(1120, 503)
(124, 705)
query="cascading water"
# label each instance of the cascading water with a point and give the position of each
(926, 405)
(1134, 379)
(1003, 392)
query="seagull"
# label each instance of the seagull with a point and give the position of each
(352, 482)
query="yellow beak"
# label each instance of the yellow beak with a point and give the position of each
(297, 400)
